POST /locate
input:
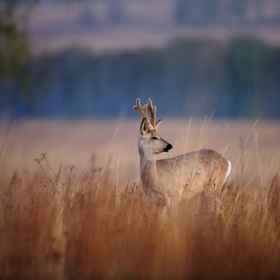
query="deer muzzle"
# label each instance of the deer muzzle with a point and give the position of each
(168, 147)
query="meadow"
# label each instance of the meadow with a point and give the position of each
(72, 205)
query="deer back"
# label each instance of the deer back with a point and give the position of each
(189, 174)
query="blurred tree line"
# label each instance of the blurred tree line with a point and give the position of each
(238, 78)
(15, 78)
(226, 11)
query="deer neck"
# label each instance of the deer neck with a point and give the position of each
(148, 170)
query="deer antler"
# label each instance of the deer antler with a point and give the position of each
(152, 109)
(143, 112)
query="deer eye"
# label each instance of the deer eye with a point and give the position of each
(154, 138)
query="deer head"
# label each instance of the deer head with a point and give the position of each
(149, 141)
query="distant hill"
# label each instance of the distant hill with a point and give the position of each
(106, 26)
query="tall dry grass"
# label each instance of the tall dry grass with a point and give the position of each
(63, 222)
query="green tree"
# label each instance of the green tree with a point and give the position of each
(14, 51)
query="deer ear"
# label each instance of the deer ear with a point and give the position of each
(144, 127)
(157, 125)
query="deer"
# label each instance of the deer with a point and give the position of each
(180, 177)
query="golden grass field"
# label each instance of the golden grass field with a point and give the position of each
(78, 212)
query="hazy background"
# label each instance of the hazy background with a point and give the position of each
(77, 59)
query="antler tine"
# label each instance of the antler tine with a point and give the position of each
(143, 112)
(153, 110)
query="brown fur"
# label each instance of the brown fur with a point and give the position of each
(180, 177)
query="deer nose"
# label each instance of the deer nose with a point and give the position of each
(168, 148)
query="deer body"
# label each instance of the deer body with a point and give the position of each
(180, 177)
(184, 176)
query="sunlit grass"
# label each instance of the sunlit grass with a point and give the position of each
(61, 221)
